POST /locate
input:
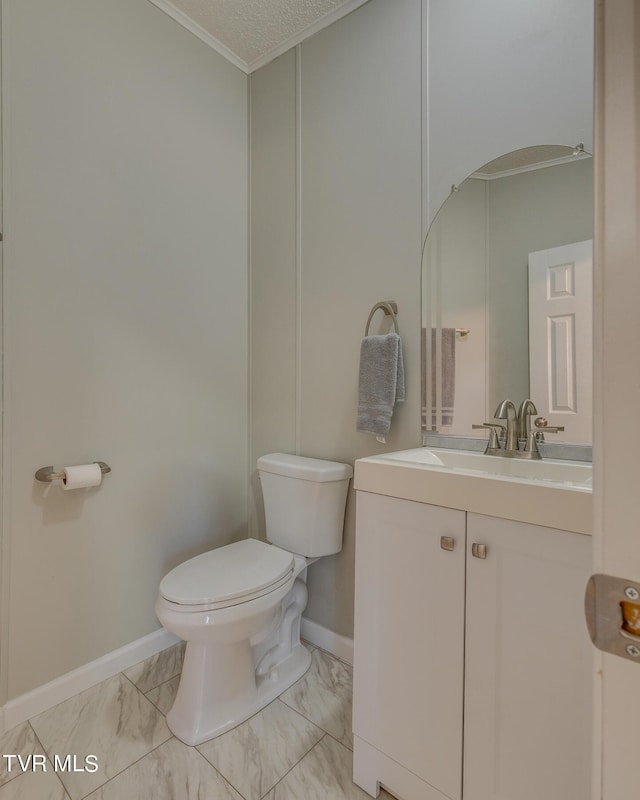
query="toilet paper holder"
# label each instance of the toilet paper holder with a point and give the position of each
(49, 474)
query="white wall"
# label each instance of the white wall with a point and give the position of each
(354, 202)
(126, 329)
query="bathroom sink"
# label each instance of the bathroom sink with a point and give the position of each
(551, 492)
(572, 474)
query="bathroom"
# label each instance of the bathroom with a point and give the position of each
(143, 173)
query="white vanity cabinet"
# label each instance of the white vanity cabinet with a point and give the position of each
(409, 647)
(527, 717)
(452, 647)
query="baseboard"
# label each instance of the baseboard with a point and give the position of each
(56, 691)
(336, 644)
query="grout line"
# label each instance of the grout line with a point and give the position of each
(306, 719)
(18, 774)
(216, 770)
(102, 785)
(342, 744)
(44, 750)
(126, 677)
(153, 687)
(324, 730)
(277, 783)
(146, 694)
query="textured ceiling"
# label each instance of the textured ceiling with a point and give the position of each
(254, 29)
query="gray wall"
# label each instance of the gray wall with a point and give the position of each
(125, 268)
(350, 201)
(376, 117)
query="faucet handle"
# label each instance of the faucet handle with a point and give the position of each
(493, 428)
(543, 426)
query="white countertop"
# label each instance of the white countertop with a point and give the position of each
(553, 493)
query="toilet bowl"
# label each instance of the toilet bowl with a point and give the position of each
(239, 607)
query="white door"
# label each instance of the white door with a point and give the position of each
(560, 338)
(617, 380)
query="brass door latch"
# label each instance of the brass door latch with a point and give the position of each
(612, 610)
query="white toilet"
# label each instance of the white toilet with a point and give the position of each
(238, 607)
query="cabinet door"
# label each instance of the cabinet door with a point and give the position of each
(409, 636)
(527, 682)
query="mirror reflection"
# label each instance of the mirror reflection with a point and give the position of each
(506, 294)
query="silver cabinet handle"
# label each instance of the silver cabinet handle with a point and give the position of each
(447, 542)
(479, 550)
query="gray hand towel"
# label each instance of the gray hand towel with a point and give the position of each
(381, 383)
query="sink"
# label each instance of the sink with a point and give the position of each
(570, 474)
(551, 492)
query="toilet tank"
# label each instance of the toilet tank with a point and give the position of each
(304, 502)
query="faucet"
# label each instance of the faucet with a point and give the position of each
(518, 427)
(527, 409)
(506, 410)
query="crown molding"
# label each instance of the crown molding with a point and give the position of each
(197, 30)
(333, 16)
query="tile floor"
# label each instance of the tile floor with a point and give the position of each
(297, 748)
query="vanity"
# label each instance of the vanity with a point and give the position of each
(472, 667)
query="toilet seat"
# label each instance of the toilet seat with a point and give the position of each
(227, 576)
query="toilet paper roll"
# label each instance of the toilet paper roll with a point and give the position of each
(82, 476)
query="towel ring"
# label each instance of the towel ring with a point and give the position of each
(390, 307)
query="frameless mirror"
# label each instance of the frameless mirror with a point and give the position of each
(506, 294)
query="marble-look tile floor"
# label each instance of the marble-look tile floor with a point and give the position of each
(297, 748)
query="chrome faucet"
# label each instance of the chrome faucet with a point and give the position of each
(518, 427)
(506, 410)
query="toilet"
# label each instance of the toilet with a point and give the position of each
(238, 607)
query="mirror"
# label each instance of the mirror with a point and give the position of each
(506, 294)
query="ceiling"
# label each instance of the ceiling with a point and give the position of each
(250, 33)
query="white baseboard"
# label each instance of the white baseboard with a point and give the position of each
(56, 691)
(336, 644)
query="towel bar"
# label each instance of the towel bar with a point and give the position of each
(389, 307)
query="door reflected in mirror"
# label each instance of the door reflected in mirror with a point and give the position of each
(506, 295)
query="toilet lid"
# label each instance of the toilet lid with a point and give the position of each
(227, 574)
